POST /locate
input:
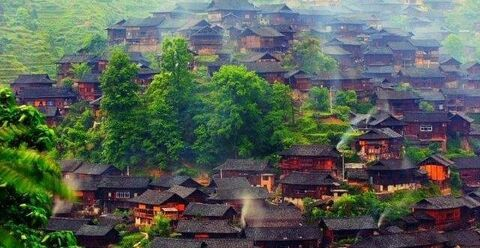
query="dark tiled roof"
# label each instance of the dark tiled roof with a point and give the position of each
(251, 193)
(445, 202)
(231, 183)
(76, 58)
(46, 92)
(353, 223)
(275, 8)
(335, 51)
(254, 57)
(391, 164)
(430, 95)
(414, 72)
(395, 95)
(155, 197)
(379, 70)
(206, 243)
(83, 184)
(380, 133)
(384, 118)
(265, 67)
(283, 233)
(463, 238)
(243, 5)
(65, 224)
(460, 115)
(243, 165)
(70, 165)
(262, 31)
(207, 210)
(402, 240)
(94, 230)
(229, 243)
(308, 178)
(274, 216)
(426, 117)
(430, 43)
(349, 74)
(439, 159)
(33, 79)
(185, 192)
(401, 46)
(93, 169)
(167, 181)
(311, 150)
(145, 22)
(467, 163)
(130, 182)
(356, 174)
(206, 226)
(93, 78)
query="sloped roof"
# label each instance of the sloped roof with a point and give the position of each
(308, 178)
(185, 192)
(130, 182)
(463, 238)
(76, 58)
(467, 163)
(283, 233)
(65, 224)
(461, 115)
(251, 193)
(243, 5)
(311, 150)
(207, 210)
(402, 240)
(429, 43)
(167, 181)
(263, 31)
(437, 158)
(159, 242)
(46, 92)
(231, 182)
(352, 223)
(335, 51)
(274, 216)
(93, 169)
(206, 226)
(414, 72)
(70, 165)
(144, 22)
(401, 46)
(391, 164)
(94, 230)
(419, 116)
(430, 95)
(395, 95)
(254, 57)
(276, 8)
(155, 197)
(243, 165)
(380, 133)
(33, 79)
(446, 202)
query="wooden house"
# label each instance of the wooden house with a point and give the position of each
(351, 45)
(257, 172)
(299, 80)
(448, 212)
(310, 158)
(437, 168)
(387, 176)
(31, 81)
(404, 53)
(455, 99)
(350, 79)
(384, 72)
(472, 68)
(435, 98)
(397, 102)
(342, 56)
(159, 242)
(377, 144)
(237, 197)
(272, 72)
(85, 190)
(40, 97)
(336, 229)
(375, 56)
(165, 182)
(206, 41)
(262, 39)
(207, 229)
(299, 236)
(271, 215)
(380, 119)
(459, 125)
(68, 167)
(66, 63)
(117, 33)
(463, 238)
(88, 87)
(278, 14)
(95, 171)
(451, 69)
(298, 185)
(469, 170)
(399, 240)
(210, 211)
(384, 36)
(345, 27)
(243, 9)
(52, 114)
(422, 78)
(115, 192)
(189, 194)
(141, 35)
(427, 127)
(428, 54)
(153, 202)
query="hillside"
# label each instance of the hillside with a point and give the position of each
(35, 33)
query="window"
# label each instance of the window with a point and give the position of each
(121, 195)
(426, 128)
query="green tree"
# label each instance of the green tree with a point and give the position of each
(234, 121)
(426, 106)
(307, 55)
(28, 175)
(121, 105)
(161, 227)
(346, 98)
(319, 99)
(170, 100)
(454, 46)
(94, 43)
(81, 70)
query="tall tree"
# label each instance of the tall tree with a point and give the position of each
(307, 55)
(28, 175)
(121, 111)
(233, 123)
(169, 100)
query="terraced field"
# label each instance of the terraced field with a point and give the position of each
(59, 27)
